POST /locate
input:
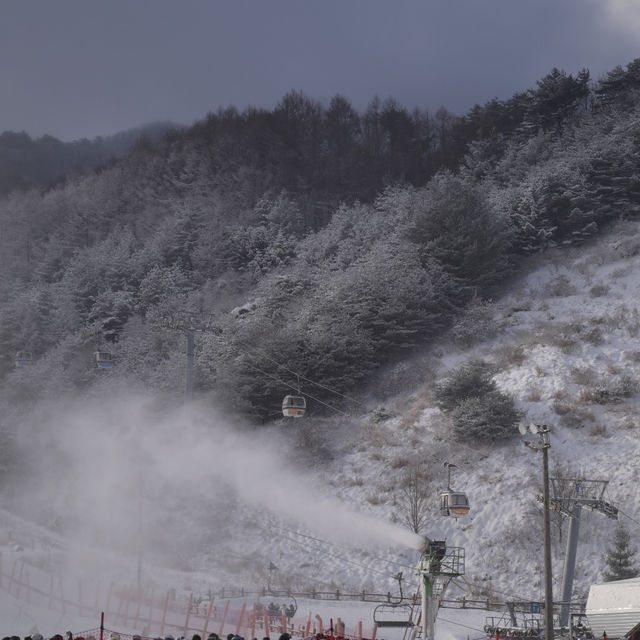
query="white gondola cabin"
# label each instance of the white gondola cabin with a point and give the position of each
(23, 358)
(454, 503)
(294, 406)
(104, 360)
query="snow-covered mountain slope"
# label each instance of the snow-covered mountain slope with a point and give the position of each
(320, 499)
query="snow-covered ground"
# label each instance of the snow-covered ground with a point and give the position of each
(116, 478)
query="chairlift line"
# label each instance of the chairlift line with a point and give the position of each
(333, 544)
(626, 515)
(332, 555)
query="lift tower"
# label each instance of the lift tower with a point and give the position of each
(189, 323)
(438, 565)
(570, 495)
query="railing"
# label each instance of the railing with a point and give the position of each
(157, 614)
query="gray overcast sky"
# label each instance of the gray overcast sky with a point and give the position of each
(82, 68)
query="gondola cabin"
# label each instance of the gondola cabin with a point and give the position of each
(23, 358)
(294, 406)
(454, 503)
(104, 360)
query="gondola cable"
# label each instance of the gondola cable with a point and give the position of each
(298, 375)
(291, 386)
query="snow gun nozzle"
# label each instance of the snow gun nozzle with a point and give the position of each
(424, 545)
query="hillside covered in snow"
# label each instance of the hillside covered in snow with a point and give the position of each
(423, 300)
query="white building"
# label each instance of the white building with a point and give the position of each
(614, 607)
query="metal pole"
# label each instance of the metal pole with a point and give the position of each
(426, 591)
(139, 572)
(570, 564)
(427, 602)
(548, 590)
(188, 391)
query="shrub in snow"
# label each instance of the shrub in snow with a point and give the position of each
(380, 414)
(476, 325)
(560, 287)
(477, 408)
(611, 391)
(509, 355)
(593, 335)
(576, 417)
(599, 290)
(471, 379)
(490, 417)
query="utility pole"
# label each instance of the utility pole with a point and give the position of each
(189, 322)
(543, 446)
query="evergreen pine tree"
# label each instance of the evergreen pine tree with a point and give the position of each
(620, 558)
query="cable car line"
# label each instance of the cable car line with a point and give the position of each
(459, 624)
(298, 375)
(273, 377)
(291, 386)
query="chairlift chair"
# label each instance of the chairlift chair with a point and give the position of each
(104, 360)
(294, 406)
(393, 615)
(23, 358)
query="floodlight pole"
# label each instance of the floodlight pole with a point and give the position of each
(548, 585)
(542, 431)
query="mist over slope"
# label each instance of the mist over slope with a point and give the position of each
(26, 163)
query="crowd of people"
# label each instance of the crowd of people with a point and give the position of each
(70, 636)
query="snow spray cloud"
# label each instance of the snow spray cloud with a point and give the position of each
(100, 467)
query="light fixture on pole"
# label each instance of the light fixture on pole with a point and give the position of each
(543, 444)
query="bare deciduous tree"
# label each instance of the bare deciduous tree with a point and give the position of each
(413, 500)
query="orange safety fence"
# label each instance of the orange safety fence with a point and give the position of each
(157, 614)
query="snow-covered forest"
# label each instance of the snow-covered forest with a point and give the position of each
(324, 246)
(336, 240)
